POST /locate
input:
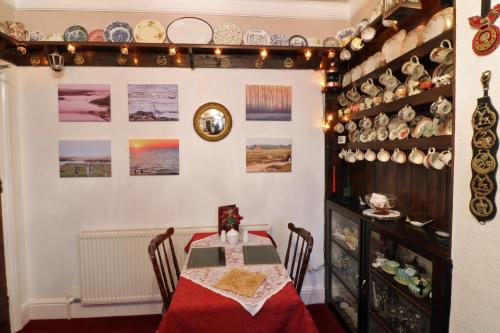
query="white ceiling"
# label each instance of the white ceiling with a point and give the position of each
(310, 9)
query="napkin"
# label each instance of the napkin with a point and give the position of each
(240, 282)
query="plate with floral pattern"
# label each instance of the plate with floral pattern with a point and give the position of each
(149, 31)
(227, 34)
(297, 40)
(76, 33)
(279, 40)
(96, 35)
(256, 37)
(119, 32)
(332, 42)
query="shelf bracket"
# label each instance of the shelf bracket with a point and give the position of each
(191, 58)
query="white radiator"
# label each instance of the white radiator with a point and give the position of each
(115, 266)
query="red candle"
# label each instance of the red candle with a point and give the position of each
(334, 180)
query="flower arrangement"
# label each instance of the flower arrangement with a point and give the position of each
(231, 218)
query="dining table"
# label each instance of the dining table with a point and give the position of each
(198, 306)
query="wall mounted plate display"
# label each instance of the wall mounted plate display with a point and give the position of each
(118, 32)
(297, 40)
(96, 35)
(76, 33)
(279, 40)
(332, 42)
(227, 34)
(55, 37)
(256, 37)
(149, 31)
(190, 30)
(37, 36)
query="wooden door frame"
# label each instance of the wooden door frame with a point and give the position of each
(11, 229)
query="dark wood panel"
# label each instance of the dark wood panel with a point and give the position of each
(438, 142)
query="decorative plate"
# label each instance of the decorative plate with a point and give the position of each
(96, 35)
(149, 31)
(332, 42)
(347, 79)
(392, 215)
(392, 47)
(410, 42)
(15, 30)
(37, 36)
(227, 34)
(190, 30)
(377, 10)
(119, 32)
(76, 33)
(443, 69)
(55, 37)
(279, 40)
(314, 41)
(256, 37)
(297, 40)
(434, 27)
(356, 73)
(345, 35)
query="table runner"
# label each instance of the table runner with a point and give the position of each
(277, 276)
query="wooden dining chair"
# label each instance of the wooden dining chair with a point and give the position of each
(305, 241)
(165, 265)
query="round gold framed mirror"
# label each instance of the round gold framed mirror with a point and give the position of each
(212, 121)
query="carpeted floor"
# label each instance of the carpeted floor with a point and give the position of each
(147, 324)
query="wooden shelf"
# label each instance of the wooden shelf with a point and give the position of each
(146, 54)
(420, 240)
(423, 304)
(425, 97)
(351, 253)
(395, 65)
(438, 142)
(381, 322)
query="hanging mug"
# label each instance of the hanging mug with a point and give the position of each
(443, 54)
(388, 80)
(353, 95)
(369, 88)
(413, 67)
(342, 99)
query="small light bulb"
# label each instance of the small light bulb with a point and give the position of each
(21, 49)
(308, 54)
(124, 50)
(71, 48)
(172, 50)
(218, 52)
(331, 54)
(329, 117)
(136, 61)
(263, 54)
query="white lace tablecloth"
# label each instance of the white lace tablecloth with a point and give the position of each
(277, 276)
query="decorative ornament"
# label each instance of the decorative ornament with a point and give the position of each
(161, 60)
(122, 59)
(79, 59)
(484, 163)
(288, 63)
(259, 63)
(35, 60)
(487, 38)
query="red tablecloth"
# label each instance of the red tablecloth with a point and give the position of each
(201, 235)
(195, 309)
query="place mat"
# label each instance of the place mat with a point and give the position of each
(260, 255)
(241, 282)
(207, 257)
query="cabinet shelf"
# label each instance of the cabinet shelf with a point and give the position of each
(438, 142)
(335, 272)
(423, 305)
(425, 97)
(351, 253)
(381, 322)
(396, 64)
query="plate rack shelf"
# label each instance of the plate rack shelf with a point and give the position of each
(421, 193)
(157, 55)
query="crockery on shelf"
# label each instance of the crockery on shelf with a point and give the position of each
(96, 36)
(314, 41)
(444, 54)
(390, 266)
(76, 33)
(368, 102)
(388, 80)
(407, 113)
(383, 155)
(398, 156)
(359, 155)
(37, 36)
(432, 160)
(436, 25)
(149, 31)
(361, 25)
(416, 156)
(356, 73)
(297, 40)
(354, 136)
(345, 54)
(392, 47)
(425, 85)
(189, 30)
(413, 86)
(55, 37)
(279, 40)
(342, 153)
(368, 34)
(401, 91)
(342, 99)
(351, 126)
(353, 95)
(381, 120)
(382, 133)
(346, 35)
(350, 156)
(332, 42)
(440, 81)
(357, 44)
(347, 79)
(412, 40)
(370, 155)
(370, 88)
(118, 32)
(446, 157)
(16, 30)
(413, 68)
(419, 287)
(377, 100)
(441, 107)
(339, 128)
(389, 96)
(418, 224)
(227, 34)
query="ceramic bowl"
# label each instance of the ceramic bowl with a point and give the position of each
(388, 204)
(419, 287)
(390, 266)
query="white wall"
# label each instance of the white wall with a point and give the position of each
(211, 174)
(475, 250)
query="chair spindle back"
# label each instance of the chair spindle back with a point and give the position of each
(304, 241)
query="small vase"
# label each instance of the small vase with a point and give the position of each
(233, 237)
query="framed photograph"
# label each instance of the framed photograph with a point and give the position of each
(84, 158)
(84, 102)
(153, 102)
(149, 157)
(269, 102)
(269, 155)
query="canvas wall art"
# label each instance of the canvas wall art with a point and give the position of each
(154, 157)
(269, 102)
(269, 154)
(85, 158)
(84, 102)
(153, 102)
